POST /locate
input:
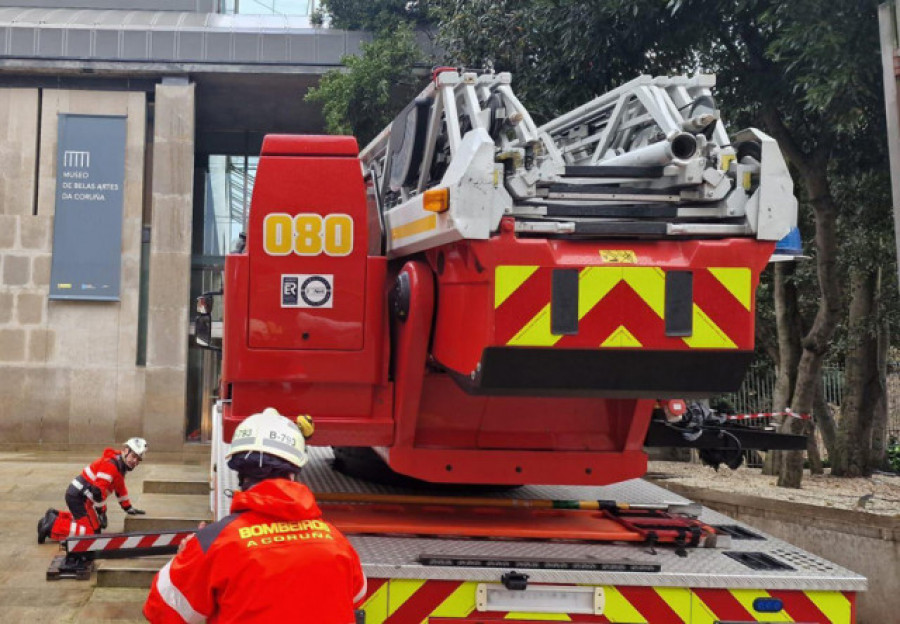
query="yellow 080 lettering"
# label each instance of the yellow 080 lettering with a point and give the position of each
(307, 234)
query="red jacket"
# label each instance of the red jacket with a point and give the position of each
(107, 474)
(272, 560)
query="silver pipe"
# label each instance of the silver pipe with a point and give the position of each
(678, 149)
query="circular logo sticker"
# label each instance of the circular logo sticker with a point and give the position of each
(315, 291)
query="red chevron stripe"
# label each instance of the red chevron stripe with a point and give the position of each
(725, 311)
(801, 609)
(420, 605)
(851, 596)
(146, 541)
(521, 306)
(621, 306)
(651, 605)
(372, 586)
(723, 604)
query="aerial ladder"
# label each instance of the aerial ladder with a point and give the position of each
(480, 299)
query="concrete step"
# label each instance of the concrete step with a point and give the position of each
(129, 572)
(173, 486)
(169, 512)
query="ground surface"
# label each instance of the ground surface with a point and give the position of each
(31, 483)
(878, 494)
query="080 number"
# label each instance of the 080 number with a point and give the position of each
(307, 234)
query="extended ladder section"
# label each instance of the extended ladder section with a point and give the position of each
(650, 159)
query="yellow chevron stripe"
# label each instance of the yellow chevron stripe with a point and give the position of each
(536, 332)
(700, 612)
(376, 606)
(537, 617)
(617, 609)
(400, 591)
(746, 598)
(736, 280)
(678, 599)
(707, 334)
(650, 285)
(833, 604)
(621, 337)
(458, 604)
(507, 280)
(594, 283)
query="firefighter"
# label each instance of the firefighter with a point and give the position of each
(274, 559)
(87, 493)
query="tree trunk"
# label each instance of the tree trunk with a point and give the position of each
(817, 340)
(878, 457)
(825, 420)
(813, 174)
(789, 331)
(861, 381)
(812, 451)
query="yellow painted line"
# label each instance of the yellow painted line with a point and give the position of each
(400, 591)
(621, 337)
(650, 285)
(376, 605)
(414, 227)
(536, 332)
(746, 598)
(594, 283)
(736, 280)
(833, 604)
(678, 599)
(617, 609)
(507, 280)
(707, 334)
(458, 604)
(537, 617)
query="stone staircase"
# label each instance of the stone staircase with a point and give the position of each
(171, 504)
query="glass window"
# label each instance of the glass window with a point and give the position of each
(268, 7)
(229, 186)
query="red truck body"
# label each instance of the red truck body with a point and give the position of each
(504, 361)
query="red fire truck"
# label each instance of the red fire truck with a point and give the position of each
(475, 299)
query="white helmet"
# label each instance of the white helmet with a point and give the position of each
(270, 433)
(138, 446)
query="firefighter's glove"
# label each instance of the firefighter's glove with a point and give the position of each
(306, 426)
(134, 511)
(101, 516)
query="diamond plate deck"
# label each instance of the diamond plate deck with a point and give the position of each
(396, 557)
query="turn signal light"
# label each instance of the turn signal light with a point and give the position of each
(436, 200)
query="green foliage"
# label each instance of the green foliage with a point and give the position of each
(365, 97)
(376, 15)
(893, 454)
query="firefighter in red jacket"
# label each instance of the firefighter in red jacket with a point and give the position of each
(86, 495)
(274, 559)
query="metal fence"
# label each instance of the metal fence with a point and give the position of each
(755, 395)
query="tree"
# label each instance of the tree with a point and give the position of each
(365, 97)
(807, 72)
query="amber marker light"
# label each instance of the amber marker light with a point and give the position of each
(436, 200)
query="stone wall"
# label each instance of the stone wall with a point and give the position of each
(68, 369)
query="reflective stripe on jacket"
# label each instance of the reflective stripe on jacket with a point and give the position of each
(106, 474)
(273, 560)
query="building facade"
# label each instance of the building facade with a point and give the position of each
(196, 85)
